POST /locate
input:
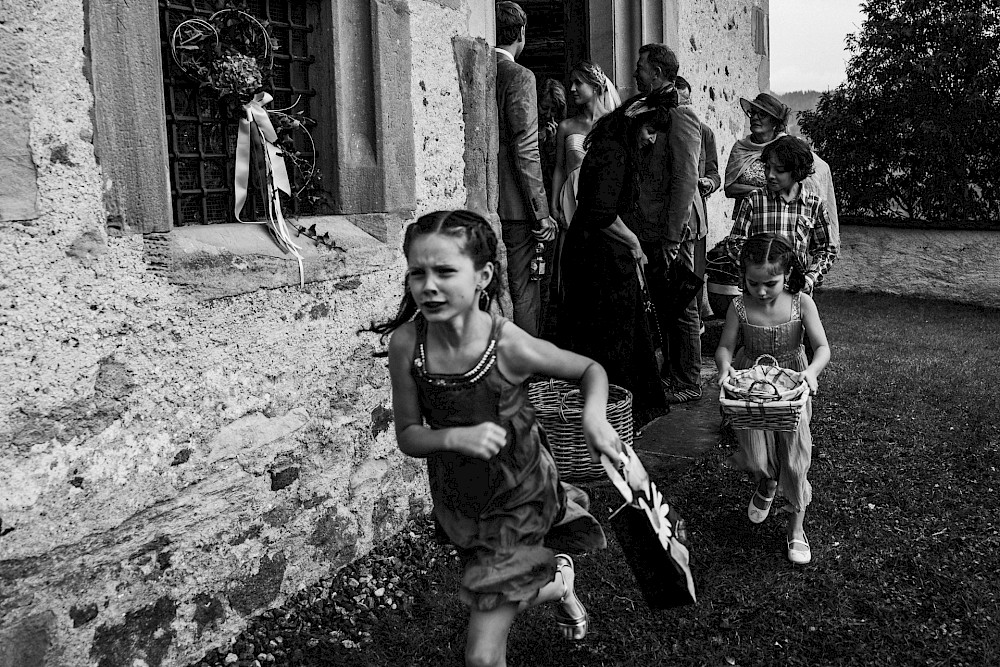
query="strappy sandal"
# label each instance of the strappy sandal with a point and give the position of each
(799, 556)
(571, 616)
(756, 514)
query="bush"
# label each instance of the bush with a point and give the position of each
(913, 133)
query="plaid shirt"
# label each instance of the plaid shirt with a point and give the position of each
(804, 221)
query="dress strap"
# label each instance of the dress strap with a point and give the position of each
(741, 311)
(473, 375)
(420, 324)
(797, 307)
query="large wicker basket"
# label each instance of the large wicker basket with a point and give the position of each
(559, 409)
(769, 403)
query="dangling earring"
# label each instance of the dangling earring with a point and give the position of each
(484, 300)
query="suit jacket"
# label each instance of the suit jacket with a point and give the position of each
(708, 166)
(668, 181)
(522, 193)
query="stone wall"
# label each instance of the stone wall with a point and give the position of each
(717, 56)
(174, 459)
(185, 439)
(954, 265)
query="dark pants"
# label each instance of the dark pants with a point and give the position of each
(525, 293)
(681, 333)
(548, 320)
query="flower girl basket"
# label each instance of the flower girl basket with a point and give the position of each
(650, 532)
(764, 396)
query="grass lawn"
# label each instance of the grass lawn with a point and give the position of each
(904, 526)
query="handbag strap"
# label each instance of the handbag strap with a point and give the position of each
(647, 301)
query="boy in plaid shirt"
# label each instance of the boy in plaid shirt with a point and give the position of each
(789, 208)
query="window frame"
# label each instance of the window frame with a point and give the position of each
(366, 146)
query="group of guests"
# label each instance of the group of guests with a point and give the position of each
(624, 215)
(617, 194)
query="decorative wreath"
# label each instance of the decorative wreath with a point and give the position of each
(232, 53)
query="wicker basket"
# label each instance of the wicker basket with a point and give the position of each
(767, 403)
(559, 409)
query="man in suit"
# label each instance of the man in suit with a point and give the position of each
(709, 181)
(523, 208)
(666, 228)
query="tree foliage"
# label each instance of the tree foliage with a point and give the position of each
(914, 132)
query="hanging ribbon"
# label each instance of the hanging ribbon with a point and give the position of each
(256, 140)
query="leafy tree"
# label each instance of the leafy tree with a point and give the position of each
(914, 131)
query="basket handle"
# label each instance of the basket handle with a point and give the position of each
(766, 383)
(774, 361)
(562, 404)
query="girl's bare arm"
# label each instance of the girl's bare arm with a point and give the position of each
(817, 336)
(522, 356)
(727, 343)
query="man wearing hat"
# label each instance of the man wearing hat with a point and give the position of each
(668, 187)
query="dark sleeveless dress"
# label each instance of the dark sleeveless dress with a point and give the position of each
(505, 515)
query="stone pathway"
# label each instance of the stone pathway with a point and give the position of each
(686, 433)
(690, 429)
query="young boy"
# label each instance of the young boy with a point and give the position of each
(788, 208)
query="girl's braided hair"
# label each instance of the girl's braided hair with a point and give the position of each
(774, 249)
(480, 246)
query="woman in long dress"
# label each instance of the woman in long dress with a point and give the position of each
(595, 96)
(603, 314)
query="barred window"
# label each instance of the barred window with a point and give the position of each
(201, 139)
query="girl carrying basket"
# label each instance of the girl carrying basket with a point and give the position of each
(770, 317)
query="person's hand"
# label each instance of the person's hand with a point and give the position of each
(545, 230)
(482, 441)
(551, 127)
(705, 185)
(636, 475)
(639, 256)
(671, 249)
(811, 380)
(601, 438)
(557, 214)
(725, 373)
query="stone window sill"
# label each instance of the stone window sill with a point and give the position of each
(213, 261)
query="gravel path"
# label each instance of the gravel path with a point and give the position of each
(338, 613)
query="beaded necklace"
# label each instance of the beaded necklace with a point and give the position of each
(477, 373)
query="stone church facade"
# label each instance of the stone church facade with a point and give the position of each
(186, 435)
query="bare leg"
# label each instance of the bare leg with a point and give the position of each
(486, 645)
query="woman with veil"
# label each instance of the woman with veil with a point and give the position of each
(595, 96)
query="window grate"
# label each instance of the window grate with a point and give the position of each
(201, 142)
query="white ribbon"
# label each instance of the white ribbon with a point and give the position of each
(257, 131)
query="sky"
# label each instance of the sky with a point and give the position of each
(807, 42)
